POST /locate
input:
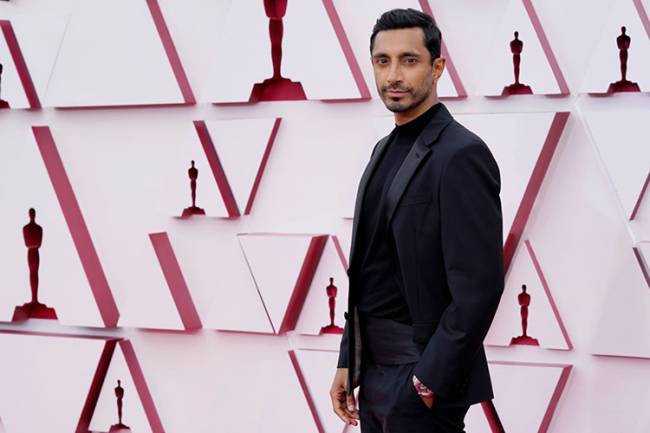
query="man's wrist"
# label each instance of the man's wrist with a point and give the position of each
(422, 388)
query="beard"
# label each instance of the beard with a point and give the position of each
(417, 96)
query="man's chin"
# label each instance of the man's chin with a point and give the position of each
(396, 107)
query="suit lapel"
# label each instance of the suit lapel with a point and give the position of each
(363, 183)
(421, 148)
(418, 153)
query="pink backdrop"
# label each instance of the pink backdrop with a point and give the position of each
(212, 323)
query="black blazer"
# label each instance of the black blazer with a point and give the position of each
(444, 218)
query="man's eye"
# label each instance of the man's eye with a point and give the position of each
(410, 60)
(382, 61)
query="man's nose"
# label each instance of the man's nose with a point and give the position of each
(394, 74)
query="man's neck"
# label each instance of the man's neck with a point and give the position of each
(407, 116)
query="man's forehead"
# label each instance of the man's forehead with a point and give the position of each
(398, 41)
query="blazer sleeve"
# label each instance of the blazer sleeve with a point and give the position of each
(343, 351)
(472, 249)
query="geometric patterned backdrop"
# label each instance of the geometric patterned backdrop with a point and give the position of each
(109, 103)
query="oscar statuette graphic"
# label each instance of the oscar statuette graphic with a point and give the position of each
(193, 174)
(524, 338)
(120, 427)
(277, 87)
(33, 236)
(331, 291)
(623, 85)
(3, 103)
(516, 88)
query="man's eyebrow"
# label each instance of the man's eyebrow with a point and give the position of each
(406, 54)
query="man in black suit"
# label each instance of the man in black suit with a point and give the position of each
(426, 260)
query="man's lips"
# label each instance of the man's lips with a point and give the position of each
(392, 92)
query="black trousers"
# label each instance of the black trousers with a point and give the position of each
(388, 401)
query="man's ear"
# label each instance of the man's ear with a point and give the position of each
(439, 66)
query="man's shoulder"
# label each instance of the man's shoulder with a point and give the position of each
(460, 145)
(458, 138)
(464, 147)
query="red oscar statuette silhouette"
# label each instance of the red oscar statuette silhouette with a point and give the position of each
(277, 87)
(331, 291)
(516, 88)
(33, 235)
(623, 85)
(524, 302)
(120, 427)
(193, 173)
(3, 103)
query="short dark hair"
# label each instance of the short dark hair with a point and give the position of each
(409, 18)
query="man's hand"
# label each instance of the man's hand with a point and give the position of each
(427, 400)
(425, 393)
(344, 406)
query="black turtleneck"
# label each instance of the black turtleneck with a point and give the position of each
(378, 294)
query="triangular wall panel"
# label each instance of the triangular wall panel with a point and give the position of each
(539, 68)
(526, 395)
(283, 267)
(33, 177)
(316, 311)
(98, 66)
(44, 381)
(623, 324)
(215, 269)
(616, 135)
(544, 323)
(301, 55)
(309, 366)
(105, 414)
(605, 66)
(140, 200)
(29, 45)
(118, 361)
(237, 152)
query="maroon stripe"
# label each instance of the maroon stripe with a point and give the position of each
(175, 280)
(21, 66)
(643, 14)
(643, 264)
(77, 226)
(170, 49)
(546, 46)
(347, 49)
(260, 171)
(305, 391)
(549, 295)
(141, 386)
(306, 276)
(555, 399)
(533, 187)
(217, 169)
(96, 387)
(492, 416)
(640, 198)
